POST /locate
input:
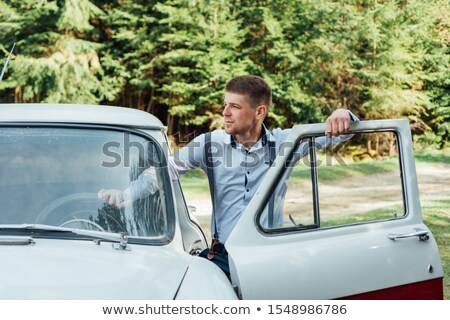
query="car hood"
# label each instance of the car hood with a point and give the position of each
(73, 269)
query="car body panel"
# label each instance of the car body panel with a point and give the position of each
(209, 281)
(332, 263)
(81, 114)
(428, 290)
(81, 269)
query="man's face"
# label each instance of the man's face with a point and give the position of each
(238, 115)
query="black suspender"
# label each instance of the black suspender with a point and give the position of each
(273, 155)
(210, 174)
(209, 168)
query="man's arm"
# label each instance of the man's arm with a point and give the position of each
(337, 124)
(187, 158)
(145, 185)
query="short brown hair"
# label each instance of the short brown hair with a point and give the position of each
(255, 88)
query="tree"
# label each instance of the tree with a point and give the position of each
(56, 58)
(201, 51)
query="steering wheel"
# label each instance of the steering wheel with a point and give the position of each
(83, 224)
(72, 209)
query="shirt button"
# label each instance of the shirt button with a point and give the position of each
(248, 190)
(248, 172)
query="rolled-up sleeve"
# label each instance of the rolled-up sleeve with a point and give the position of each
(187, 158)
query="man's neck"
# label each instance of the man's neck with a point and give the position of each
(250, 138)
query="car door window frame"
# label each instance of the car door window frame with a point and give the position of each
(312, 150)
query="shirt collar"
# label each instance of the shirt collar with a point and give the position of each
(266, 136)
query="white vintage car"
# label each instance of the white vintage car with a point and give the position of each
(59, 241)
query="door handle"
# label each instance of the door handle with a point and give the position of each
(421, 233)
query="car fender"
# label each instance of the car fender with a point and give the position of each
(205, 281)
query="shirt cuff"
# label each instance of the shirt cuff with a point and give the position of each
(353, 118)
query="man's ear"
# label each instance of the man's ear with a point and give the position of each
(261, 111)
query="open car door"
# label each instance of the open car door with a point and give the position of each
(326, 226)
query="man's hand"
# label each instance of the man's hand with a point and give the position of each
(338, 123)
(115, 198)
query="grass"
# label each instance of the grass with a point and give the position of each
(372, 215)
(432, 156)
(195, 184)
(337, 172)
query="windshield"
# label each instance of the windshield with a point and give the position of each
(53, 176)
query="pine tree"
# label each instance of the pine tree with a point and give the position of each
(57, 56)
(131, 52)
(200, 46)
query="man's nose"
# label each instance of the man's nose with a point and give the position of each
(226, 111)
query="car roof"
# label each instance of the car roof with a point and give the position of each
(77, 113)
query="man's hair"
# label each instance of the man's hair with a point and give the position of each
(255, 88)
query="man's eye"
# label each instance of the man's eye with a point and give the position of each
(234, 106)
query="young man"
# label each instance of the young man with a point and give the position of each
(241, 157)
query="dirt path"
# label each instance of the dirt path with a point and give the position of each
(434, 184)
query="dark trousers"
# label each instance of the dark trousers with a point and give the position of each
(220, 258)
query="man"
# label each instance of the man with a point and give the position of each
(241, 156)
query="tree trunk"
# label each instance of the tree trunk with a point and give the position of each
(377, 145)
(169, 124)
(151, 103)
(369, 147)
(18, 95)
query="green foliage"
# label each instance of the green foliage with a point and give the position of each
(201, 41)
(381, 59)
(57, 59)
(75, 15)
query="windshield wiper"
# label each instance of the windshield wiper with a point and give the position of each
(40, 230)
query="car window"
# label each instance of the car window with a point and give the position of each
(52, 176)
(356, 181)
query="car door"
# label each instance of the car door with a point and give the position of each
(346, 221)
